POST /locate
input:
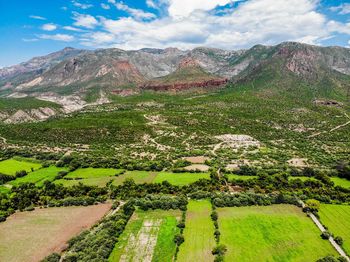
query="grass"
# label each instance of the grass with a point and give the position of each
(100, 176)
(11, 166)
(199, 233)
(270, 233)
(39, 176)
(148, 235)
(341, 182)
(337, 219)
(302, 178)
(4, 189)
(233, 176)
(90, 176)
(180, 179)
(31, 236)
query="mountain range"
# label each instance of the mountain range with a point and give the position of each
(80, 72)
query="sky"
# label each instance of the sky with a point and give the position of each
(31, 28)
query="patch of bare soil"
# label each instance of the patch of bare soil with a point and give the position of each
(140, 247)
(31, 236)
(196, 159)
(298, 162)
(200, 167)
(235, 141)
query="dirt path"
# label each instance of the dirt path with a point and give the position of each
(331, 239)
(333, 129)
(216, 147)
(4, 140)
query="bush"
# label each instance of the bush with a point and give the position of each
(339, 240)
(219, 250)
(21, 173)
(54, 257)
(179, 239)
(326, 235)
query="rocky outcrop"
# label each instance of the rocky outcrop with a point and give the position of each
(185, 86)
(30, 115)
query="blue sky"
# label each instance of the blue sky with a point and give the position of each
(38, 27)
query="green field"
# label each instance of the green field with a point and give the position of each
(337, 219)
(199, 233)
(148, 236)
(39, 176)
(90, 176)
(302, 178)
(180, 179)
(233, 176)
(11, 166)
(341, 182)
(270, 233)
(100, 176)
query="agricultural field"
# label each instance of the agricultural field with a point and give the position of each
(29, 235)
(241, 177)
(180, 179)
(198, 234)
(341, 182)
(302, 178)
(148, 237)
(38, 177)
(11, 166)
(337, 219)
(90, 176)
(270, 233)
(100, 176)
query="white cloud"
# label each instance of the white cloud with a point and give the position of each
(136, 13)
(37, 17)
(342, 9)
(57, 37)
(72, 28)
(177, 8)
(81, 5)
(49, 27)
(83, 20)
(30, 39)
(105, 6)
(252, 22)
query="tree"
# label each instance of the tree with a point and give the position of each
(313, 205)
(219, 250)
(339, 240)
(326, 235)
(179, 239)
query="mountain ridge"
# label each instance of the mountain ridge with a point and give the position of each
(75, 71)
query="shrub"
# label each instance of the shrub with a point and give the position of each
(339, 240)
(325, 235)
(21, 173)
(179, 239)
(54, 257)
(219, 250)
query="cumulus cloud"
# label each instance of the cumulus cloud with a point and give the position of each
(342, 9)
(136, 13)
(37, 17)
(49, 27)
(105, 6)
(72, 28)
(251, 22)
(84, 20)
(228, 24)
(177, 8)
(81, 5)
(57, 37)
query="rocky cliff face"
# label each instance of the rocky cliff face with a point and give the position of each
(73, 71)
